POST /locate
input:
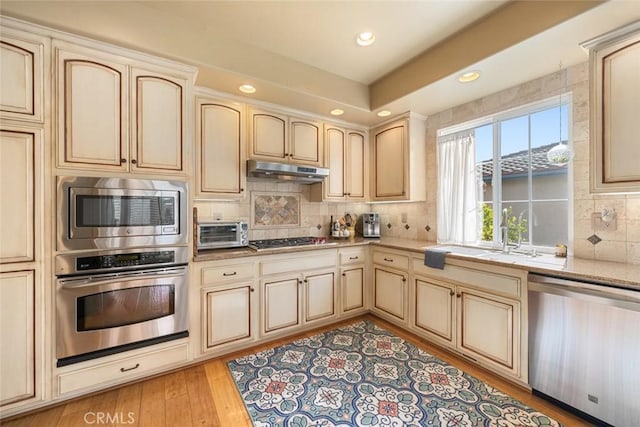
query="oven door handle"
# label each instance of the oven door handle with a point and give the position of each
(105, 279)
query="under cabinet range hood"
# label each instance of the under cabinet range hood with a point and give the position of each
(286, 172)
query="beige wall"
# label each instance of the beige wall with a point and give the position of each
(621, 245)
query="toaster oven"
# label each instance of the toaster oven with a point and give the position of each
(222, 234)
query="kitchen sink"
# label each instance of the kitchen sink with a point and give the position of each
(527, 258)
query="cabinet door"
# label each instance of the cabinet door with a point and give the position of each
(305, 142)
(486, 326)
(21, 68)
(434, 309)
(281, 304)
(228, 316)
(158, 109)
(220, 139)
(319, 296)
(92, 112)
(390, 162)
(17, 192)
(355, 165)
(17, 363)
(268, 136)
(334, 153)
(389, 290)
(352, 289)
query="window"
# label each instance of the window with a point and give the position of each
(512, 172)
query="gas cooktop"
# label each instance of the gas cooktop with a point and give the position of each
(288, 242)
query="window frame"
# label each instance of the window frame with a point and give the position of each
(563, 99)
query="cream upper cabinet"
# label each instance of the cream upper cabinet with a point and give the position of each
(158, 104)
(399, 160)
(17, 181)
(119, 114)
(615, 108)
(345, 153)
(306, 142)
(17, 336)
(21, 75)
(279, 138)
(220, 144)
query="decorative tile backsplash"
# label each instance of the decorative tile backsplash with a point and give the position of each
(275, 210)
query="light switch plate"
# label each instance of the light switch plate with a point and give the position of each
(403, 217)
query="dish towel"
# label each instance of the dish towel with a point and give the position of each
(434, 258)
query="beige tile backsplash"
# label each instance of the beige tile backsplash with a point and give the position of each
(621, 245)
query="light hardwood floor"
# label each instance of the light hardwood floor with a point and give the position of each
(205, 394)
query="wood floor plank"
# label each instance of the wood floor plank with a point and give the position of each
(203, 409)
(228, 401)
(127, 408)
(152, 404)
(206, 394)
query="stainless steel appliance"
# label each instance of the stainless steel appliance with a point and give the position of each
(116, 300)
(222, 234)
(113, 213)
(288, 242)
(368, 225)
(286, 172)
(584, 347)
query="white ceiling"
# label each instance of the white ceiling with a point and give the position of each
(303, 53)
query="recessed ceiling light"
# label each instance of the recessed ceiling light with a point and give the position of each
(469, 76)
(337, 112)
(365, 38)
(247, 88)
(384, 113)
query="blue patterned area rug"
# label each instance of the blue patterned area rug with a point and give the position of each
(363, 375)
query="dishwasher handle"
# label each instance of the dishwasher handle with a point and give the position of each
(603, 294)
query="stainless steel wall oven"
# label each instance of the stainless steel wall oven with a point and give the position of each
(122, 265)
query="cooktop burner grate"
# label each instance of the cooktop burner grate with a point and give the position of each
(286, 242)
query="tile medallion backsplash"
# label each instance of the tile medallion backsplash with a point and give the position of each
(275, 210)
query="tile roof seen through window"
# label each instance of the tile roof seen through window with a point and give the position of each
(516, 164)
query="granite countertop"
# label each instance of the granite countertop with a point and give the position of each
(625, 275)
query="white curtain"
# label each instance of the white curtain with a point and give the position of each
(457, 188)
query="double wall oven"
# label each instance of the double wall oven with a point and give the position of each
(121, 265)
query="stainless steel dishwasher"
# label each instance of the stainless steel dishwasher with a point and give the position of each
(584, 347)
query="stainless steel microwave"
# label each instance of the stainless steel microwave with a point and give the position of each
(222, 234)
(114, 213)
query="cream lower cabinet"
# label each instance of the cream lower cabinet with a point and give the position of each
(17, 336)
(353, 274)
(390, 277)
(297, 290)
(228, 310)
(475, 310)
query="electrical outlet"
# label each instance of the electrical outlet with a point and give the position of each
(403, 217)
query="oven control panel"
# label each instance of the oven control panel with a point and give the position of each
(130, 259)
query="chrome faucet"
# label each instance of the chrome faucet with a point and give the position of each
(504, 231)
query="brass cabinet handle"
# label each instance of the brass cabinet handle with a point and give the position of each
(134, 161)
(123, 161)
(354, 257)
(252, 289)
(451, 293)
(230, 274)
(344, 274)
(388, 260)
(130, 369)
(404, 279)
(459, 295)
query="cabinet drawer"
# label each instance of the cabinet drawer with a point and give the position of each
(318, 260)
(486, 280)
(352, 256)
(391, 260)
(227, 273)
(118, 371)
